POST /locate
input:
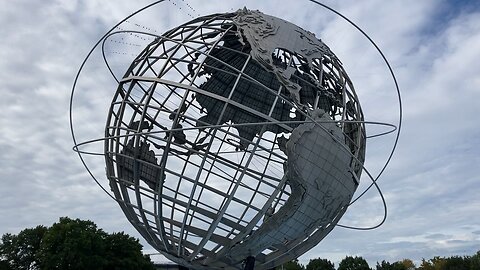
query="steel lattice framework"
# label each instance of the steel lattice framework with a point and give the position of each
(194, 150)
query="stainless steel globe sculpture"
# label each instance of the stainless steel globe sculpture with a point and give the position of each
(233, 136)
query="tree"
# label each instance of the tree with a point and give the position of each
(400, 265)
(425, 265)
(4, 265)
(408, 264)
(125, 253)
(19, 251)
(70, 245)
(320, 264)
(73, 244)
(8, 250)
(438, 263)
(475, 261)
(353, 263)
(384, 265)
(457, 263)
(292, 265)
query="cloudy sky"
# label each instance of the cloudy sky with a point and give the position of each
(432, 185)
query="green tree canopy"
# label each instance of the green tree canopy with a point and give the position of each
(320, 264)
(125, 253)
(353, 263)
(19, 251)
(438, 263)
(457, 263)
(71, 244)
(384, 265)
(409, 265)
(475, 261)
(426, 265)
(450, 263)
(4, 265)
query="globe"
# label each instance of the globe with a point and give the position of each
(234, 136)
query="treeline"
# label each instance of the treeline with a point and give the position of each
(359, 263)
(71, 244)
(74, 244)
